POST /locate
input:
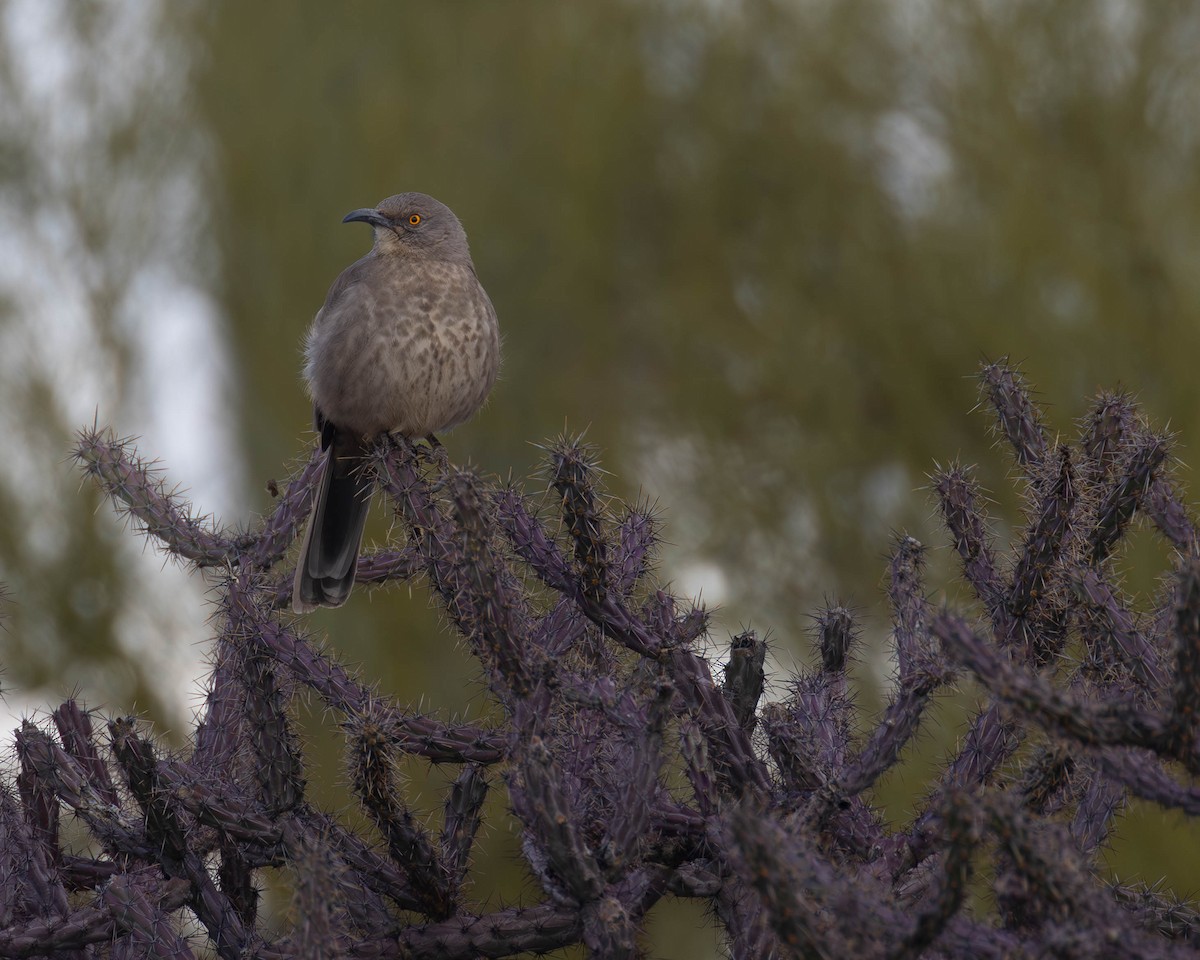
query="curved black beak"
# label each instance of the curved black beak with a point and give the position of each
(366, 215)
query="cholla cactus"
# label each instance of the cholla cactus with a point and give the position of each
(603, 696)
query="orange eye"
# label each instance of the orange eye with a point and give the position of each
(415, 219)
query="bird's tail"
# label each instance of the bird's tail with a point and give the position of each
(325, 571)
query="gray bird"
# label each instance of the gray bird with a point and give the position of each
(407, 343)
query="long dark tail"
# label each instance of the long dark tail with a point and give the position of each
(325, 571)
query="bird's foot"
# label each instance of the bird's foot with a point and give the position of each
(437, 454)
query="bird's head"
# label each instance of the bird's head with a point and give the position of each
(415, 225)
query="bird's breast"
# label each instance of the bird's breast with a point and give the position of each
(415, 351)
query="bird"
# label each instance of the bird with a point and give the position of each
(407, 343)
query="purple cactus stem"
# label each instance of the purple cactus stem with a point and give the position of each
(1016, 414)
(958, 497)
(1122, 499)
(745, 677)
(1044, 543)
(1104, 431)
(629, 773)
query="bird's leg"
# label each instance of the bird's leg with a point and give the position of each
(437, 453)
(401, 444)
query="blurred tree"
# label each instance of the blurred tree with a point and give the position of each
(104, 269)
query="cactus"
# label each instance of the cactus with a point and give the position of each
(631, 772)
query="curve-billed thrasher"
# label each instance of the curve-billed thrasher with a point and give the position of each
(407, 342)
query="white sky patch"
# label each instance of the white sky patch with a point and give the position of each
(183, 361)
(914, 162)
(703, 582)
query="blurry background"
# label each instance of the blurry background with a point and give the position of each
(756, 249)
